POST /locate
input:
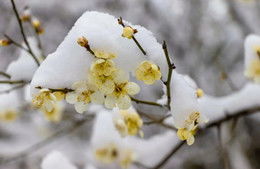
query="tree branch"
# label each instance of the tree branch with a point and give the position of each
(171, 66)
(215, 123)
(23, 33)
(12, 82)
(121, 22)
(61, 133)
(5, 75)
(146, 102)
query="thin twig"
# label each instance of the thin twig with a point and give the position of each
(171, 66)
(146, 102)
(61, 133)
(222, 150)
(16, 43)
(12, 82)
(215, 123)
(120, 22)
(23, 33)
(156, 121)
(169, 155)
(5, 75)
(13, 88)
(64, 90)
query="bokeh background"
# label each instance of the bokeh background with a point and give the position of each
(205, 39)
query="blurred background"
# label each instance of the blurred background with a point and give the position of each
(205, 39)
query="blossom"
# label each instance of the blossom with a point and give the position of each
(103, 67)
(128, 32)
(83, 94)
(107, 154)
(126, 158)
(148, 72)
(55, 114)
(127, 122)
(104, 55)
(45, 100)
(120, 96)
(253, 70)
(184, 134)
(8, 115)
(252, 58)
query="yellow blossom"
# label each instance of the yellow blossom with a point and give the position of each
(126, 158)
(107, 154)
(184, 134)
(129, 122)
(8, 115)
(253, 70)
(120, 96)
(148, 72)
(103, 67)
(82, 95)
(128, 32)
(104, 55)
(4, 42)
(45, 100)
(55, 114)
(190, 127)
(199, 93)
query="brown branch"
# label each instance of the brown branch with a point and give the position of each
(5, 75)
(157, 121)
(169, 155)
(12, 82)
(215, 123)
(222, 150)
(171, 66)
(16, 43)
(146, 102)
(23, 33)
(13, 88)
(64, 90)
(121, 22)
(61, 133)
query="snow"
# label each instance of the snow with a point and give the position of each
(217, 107)
(56, 160)
(184, 100)
(70, 62)
(24, 67)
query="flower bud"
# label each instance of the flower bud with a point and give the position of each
(5, 42)
(82, 41)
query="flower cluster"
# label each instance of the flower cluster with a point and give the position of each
(106, 83)
(8, 115)
(128, 122)
(47, 102)
(110, 153)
